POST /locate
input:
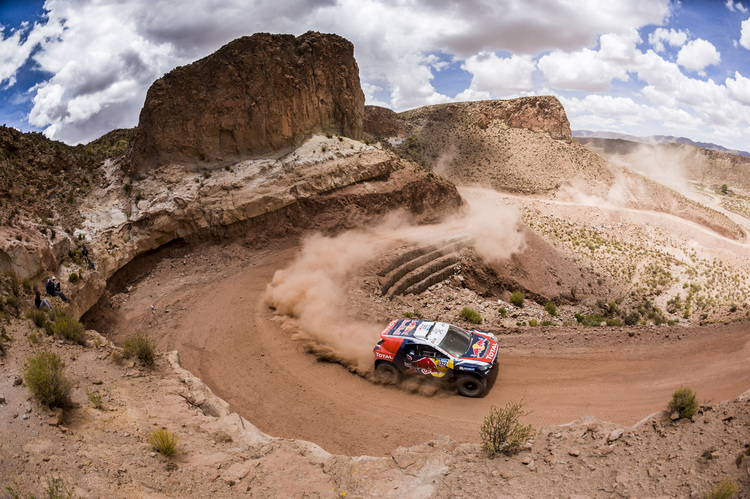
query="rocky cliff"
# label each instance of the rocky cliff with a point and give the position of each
(255, 96)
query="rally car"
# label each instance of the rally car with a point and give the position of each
(436, 349)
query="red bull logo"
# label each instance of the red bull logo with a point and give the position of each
(478, 347)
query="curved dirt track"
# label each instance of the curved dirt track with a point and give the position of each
(210, 307)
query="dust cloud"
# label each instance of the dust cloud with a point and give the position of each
(310, 296)
(669, 166)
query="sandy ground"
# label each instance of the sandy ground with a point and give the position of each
(209, 305)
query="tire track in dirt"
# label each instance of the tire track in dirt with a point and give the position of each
(250, 360)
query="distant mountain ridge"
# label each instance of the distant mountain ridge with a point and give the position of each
(656, 139)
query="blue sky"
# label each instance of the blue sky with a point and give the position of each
(75, 69)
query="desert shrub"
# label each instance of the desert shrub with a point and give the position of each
(95, 398)
(117, 357)
(548, 323)
(722, 490)
(683, 401)
(43, 374)
(632, 318)
(502, 430)
(12, 301)
(502, 312)
(221, 437)
(69, 328)
(592, 320)
(140, 346)
(415, 314)
(614, 322)
(517, 298)
(163, 441)
(551, 309)
(533, 323)
(470, 315)
(37, 316)
(73, 278)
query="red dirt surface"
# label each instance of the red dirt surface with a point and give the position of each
(209, 305)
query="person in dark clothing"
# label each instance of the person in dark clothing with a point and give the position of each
(41, 302)
(85, 254)
(53, 289)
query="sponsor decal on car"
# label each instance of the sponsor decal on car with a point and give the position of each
(478, 347)
(386, 356)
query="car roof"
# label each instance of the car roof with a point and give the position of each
(416, 329)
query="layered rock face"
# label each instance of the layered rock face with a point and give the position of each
(258, 95)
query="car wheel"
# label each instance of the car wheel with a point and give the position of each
(388, 373)
(469, 385)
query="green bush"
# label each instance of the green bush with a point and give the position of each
(43, 374)
(73, 278)
(470, 315)
(95, 398)
(502, 312)
(416, 314)
(12, 301)
(37, 316)
(722, 490)
(502, 430)
(69, 328)
(632, 318)
(533, 322)
(551, 309)
(517, 298)
(683, 401)
(163, 441)
(142, 347)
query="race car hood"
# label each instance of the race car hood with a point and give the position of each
(483, 348)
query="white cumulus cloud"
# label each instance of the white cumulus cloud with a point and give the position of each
(501, 77)
(697, 54)
(660, 36)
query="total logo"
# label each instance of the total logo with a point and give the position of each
(383, 356)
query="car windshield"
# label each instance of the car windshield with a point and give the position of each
(456, 341)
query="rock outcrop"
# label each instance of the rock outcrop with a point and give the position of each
(326, 184)
(255, 96)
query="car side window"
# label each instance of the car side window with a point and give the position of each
(426, 351)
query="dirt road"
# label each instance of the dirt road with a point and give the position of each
(209, 305)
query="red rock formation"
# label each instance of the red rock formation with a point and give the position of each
(254, 96)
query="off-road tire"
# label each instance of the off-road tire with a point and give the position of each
(469, 385)
(388, 373)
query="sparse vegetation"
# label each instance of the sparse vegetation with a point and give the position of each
(517, 298)
(503, 312)
(95, 398)
(724, 489)
(684, 402)
(415, 314)
(551, 308)
(43, 375)
(502, 431)
(142, 347)
(37, 317)
(163, 441)
(470, 315)
(69, 328)
(73, 278)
